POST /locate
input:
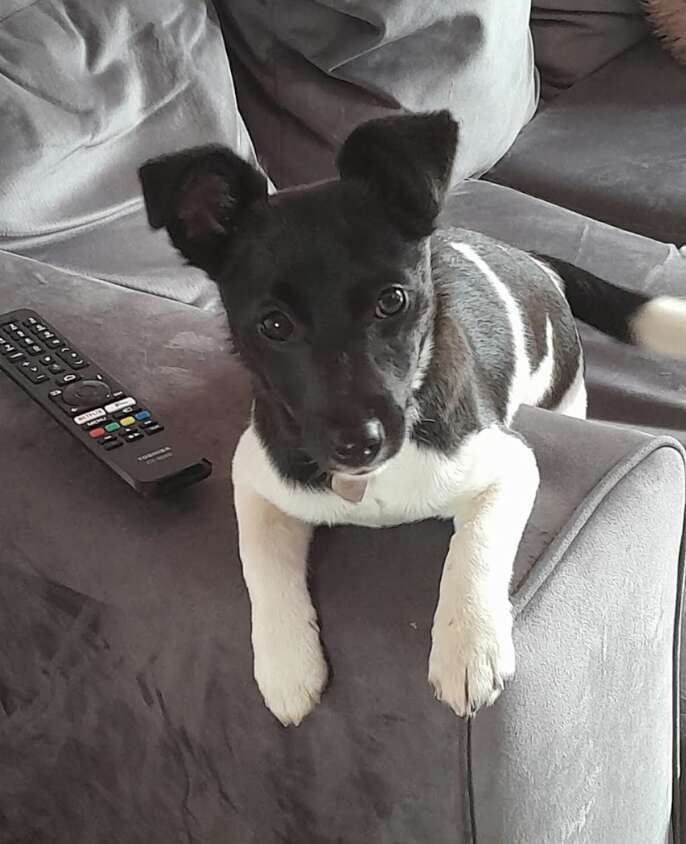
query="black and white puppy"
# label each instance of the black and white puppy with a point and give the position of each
(388, 360)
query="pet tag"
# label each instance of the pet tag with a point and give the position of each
(351, 489)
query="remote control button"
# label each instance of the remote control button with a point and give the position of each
(55, 369)
(106, 439)
(46, 335)
(129, 411)
(127, 421)
(96, 433)
(68, 355)
(18, 334)
(69, 378)
(38, 327)
(115, 444)
(131, 438)
(35, 350)
(97, 413)
(87, 393)
(141, 415)
(15, 357)
(120, 405)
(6, 348)
(32, 372)
(30, 321)
(154, 429)
(46, 360)
(79, 364)
(55, 394)
(112, 426)
(53, 344)
(148, 423)
(27, 341)
(119, 394)
(96, 423)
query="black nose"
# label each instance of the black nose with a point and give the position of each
(357, 447)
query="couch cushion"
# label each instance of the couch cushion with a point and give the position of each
(612, 147)
(574, 38)
(90, 89)
(308, 72)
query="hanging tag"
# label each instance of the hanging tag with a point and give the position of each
(351, 489)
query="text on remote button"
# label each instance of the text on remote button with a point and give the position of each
(119, 405)
(97, 413)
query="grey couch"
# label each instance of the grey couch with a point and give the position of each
(128, 712)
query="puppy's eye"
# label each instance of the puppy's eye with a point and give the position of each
(392, 301)
(276, 326)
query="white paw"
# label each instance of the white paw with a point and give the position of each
(290, 668)
(471, 657)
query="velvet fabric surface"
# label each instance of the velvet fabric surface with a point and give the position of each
(129, 712)
(612, 147)
(308, 71)
(574, 38)
(89, 89)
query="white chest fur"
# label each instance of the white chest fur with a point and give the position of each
(416, 484)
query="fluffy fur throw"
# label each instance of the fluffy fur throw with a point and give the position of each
(668, 18)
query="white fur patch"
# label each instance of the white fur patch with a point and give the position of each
(472, 652)
(542, 377)
(521, 375)
(574, 402)
(289, 665)
(660, 326)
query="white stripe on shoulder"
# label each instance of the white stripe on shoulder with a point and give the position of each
(550, 272)
(521, 375)
(542, 377)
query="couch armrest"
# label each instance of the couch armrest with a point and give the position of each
(587, 739)
(595, 668)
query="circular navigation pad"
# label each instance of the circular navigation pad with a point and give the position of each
(86, 393)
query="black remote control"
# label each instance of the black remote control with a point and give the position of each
(94, 407)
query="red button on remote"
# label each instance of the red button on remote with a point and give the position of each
(96, 432)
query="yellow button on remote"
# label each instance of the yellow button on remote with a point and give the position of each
(127, 420)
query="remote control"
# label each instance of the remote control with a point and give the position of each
(93, 406)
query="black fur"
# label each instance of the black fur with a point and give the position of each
(597, 302)
(320, 256)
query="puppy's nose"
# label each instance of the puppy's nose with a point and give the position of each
(358, 447)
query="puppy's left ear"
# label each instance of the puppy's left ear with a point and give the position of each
(406, 161)
(200, 196)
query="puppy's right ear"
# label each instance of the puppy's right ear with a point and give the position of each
(199, 196)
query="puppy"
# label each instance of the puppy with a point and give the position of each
(388, 359)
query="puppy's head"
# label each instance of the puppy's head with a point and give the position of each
(327, 287)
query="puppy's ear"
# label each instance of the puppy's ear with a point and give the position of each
(199, 196)
(406, 161)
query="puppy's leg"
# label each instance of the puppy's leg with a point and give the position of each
(472, 651)
(289, 664)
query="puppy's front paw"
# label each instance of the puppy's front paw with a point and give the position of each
(471, 657)
(290, 668)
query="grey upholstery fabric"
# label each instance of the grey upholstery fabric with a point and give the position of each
(89, 89)
(574, 38)
(129, 712)
(612, 147)
(308, 71)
